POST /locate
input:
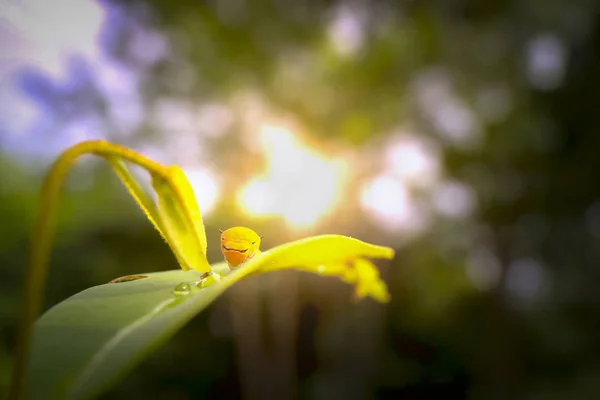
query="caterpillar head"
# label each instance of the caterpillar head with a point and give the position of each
(239, 244)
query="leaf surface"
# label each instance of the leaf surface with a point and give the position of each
(86, 343)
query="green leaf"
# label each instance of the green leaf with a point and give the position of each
(86, 343)
(136, 191)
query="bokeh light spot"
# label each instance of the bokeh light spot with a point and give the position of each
(346, 31)
(483, 268)
(546, 61)
(413, 160)
(454, 199)
(524, 279)
(390, 204)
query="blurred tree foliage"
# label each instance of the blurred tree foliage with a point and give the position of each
(527, 150)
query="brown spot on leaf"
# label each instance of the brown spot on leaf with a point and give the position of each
(128, 278)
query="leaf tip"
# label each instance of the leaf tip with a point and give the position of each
(388, 253)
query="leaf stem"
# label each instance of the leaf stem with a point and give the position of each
(37, 271)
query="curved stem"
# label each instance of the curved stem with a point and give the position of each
(37, 271)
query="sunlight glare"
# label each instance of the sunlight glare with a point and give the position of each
(205, 188)
(255, 197)
(300, 185)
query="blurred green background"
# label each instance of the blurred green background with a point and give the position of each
(461, 133)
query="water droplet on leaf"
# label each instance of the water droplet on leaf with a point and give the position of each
(182, 289)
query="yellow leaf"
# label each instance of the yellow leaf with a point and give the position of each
(180, 217)
(329, 255)
(368, 282)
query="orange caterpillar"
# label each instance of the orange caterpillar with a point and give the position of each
(239, 244)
